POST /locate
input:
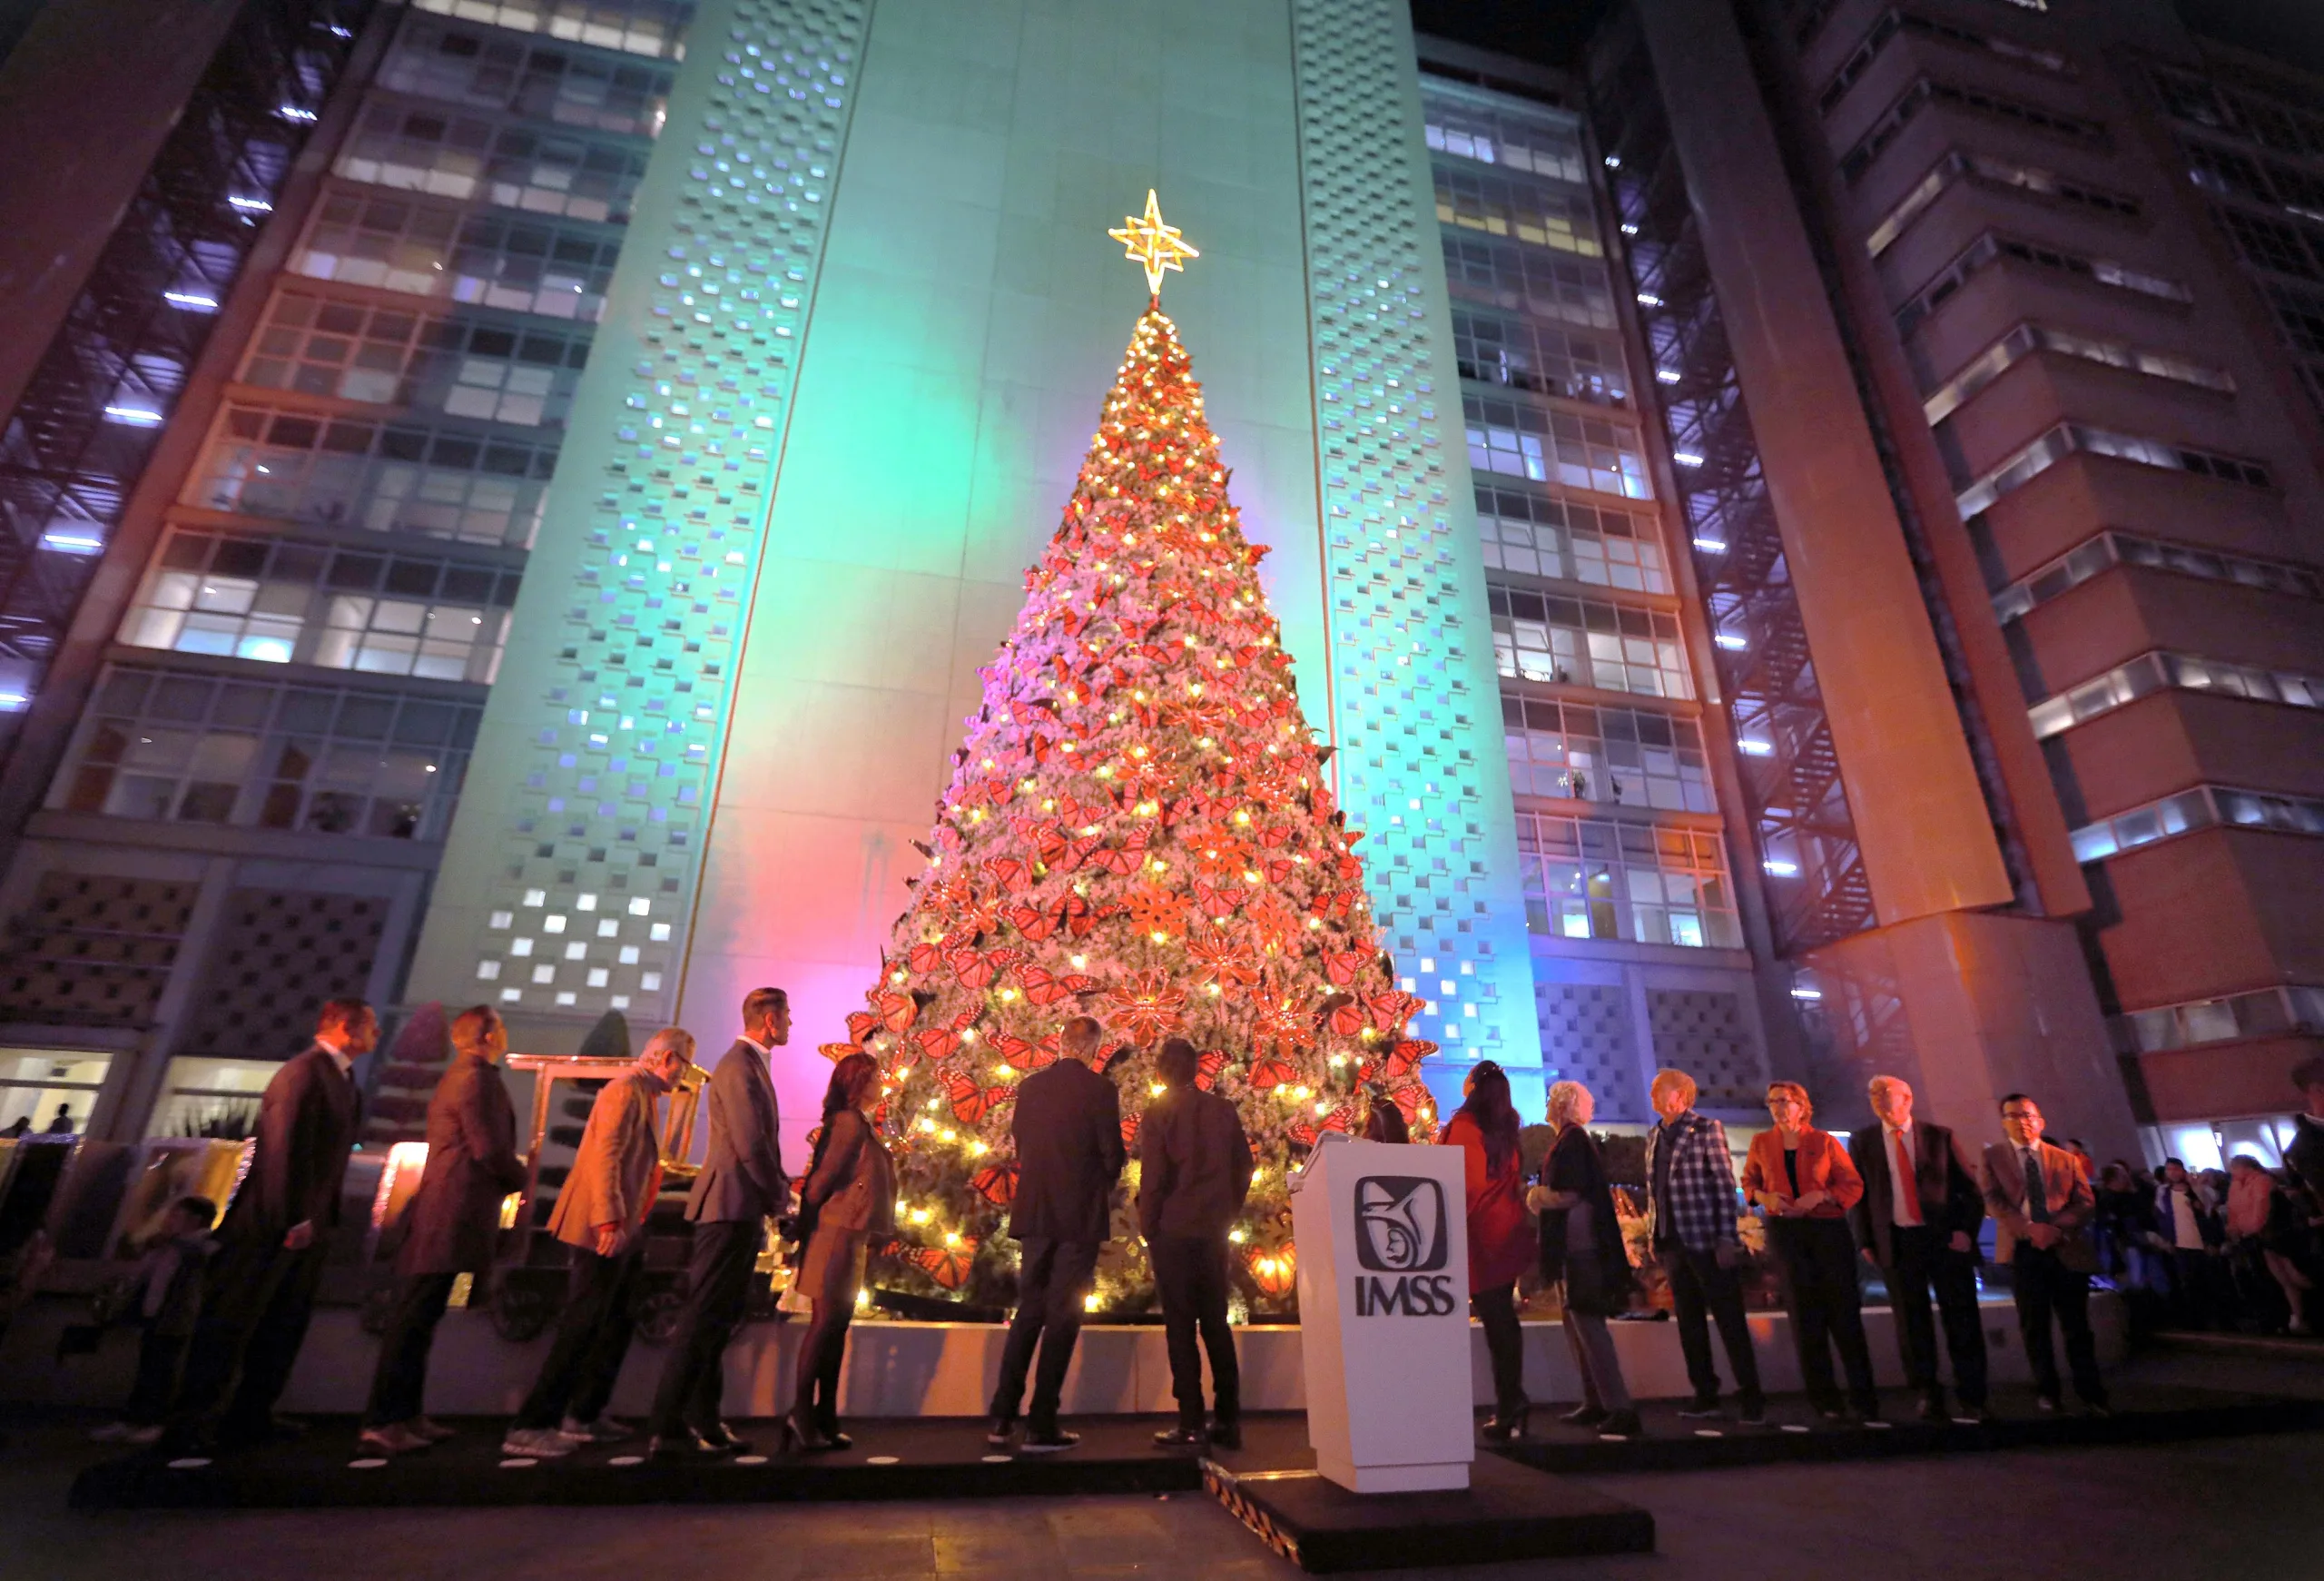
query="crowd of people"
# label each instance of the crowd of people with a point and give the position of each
(225, 1305)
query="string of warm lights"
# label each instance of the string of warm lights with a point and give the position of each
(1138, 827)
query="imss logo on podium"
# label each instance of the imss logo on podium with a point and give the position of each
(1400, 1231)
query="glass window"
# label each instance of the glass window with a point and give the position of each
(1580, 642)
(518, 373)
(207, 749)
(1539, 535)
(475, 65)
(647, 28)
(1556, 447)
(427, 249)
(1592, 878)
(1587, 752)
(1546, 144)
(1533, 212)
(468, 158)
(51, 1090)
(1545, 359)
(1528, 280)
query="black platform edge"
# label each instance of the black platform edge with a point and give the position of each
(316, 1481)
(1684, 1450)
(1507, 1511)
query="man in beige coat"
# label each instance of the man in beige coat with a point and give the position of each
(2042, 1202)
(600, 1214)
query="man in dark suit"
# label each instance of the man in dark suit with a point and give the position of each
(2041, 1199)
(452, 1228)
(261, 1289)
(1069, 1133)
(1194, 1172)
(740, 1188)
(1919, 1224)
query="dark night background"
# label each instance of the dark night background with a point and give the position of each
(1552, 32)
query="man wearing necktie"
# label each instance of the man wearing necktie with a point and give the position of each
(1917, 1221)
(2040, 1200)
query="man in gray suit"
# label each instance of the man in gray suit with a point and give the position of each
(740, 1186)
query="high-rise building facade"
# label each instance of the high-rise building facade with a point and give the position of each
(1795, 532)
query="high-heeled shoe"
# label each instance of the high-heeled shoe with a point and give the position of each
(793, 1438)
(1506, 1425)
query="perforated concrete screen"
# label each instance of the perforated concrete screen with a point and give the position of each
(1418, 710)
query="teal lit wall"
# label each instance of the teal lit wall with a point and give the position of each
(908, 397)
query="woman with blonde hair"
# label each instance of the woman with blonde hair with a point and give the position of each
(1805, 1183)
(1581, 1250)
(848, 1202)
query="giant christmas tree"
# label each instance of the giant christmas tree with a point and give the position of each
(1138, 829)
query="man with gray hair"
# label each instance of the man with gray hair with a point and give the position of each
(1917, 1220)
(1691, 1186)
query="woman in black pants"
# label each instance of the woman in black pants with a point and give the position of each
(1805, 1183)
(848, 1202)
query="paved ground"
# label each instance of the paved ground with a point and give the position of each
(2249, 1508)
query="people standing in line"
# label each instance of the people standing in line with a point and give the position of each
(600, 1214)
(1805, 1183)
(2042, 1203)
(1582, 1253)
(2189, 1231)
(452, 1228)
(1917, 1222)
(1691, 1183)
(165, 1299)
(2266, 1229)
(740, 1186)
(1068, 1133)
(847, 1202)
(261, 1290)
(1194, 1173)
(1501, 1241)
(1382, 1120)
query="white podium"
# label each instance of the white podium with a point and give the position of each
(1382, 1241)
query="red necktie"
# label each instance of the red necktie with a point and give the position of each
(1909, 1190)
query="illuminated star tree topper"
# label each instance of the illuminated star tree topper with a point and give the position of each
(1153, 245)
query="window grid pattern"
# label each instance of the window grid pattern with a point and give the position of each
(1473, 132)
(2111, 548)
(282, 602)
(421, 148)
(1926, 91)
(2026, 339)
(521, 374)
(1894, 21)
(1541, 535)
(1587, 753)
(548, 80)
(2207, 806)
(1580, 642)
(2159, 671)
(2000, 176)
(195, 748)
(2261, 118)
(1554, 447)
(1542, 359)
(1531, 212)
(486, 259)
(1991, 248)
(656, 28)
(2067, 438)
(592, 839)
(2293, 1007)
(462, 484)
(1595, 878)
(1412, 685)
(1527, 281)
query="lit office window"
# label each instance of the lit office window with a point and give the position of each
(1594, 878)
(382, 478)
(647, 28)
(282, 602)
(1539, 535)
(1555, 447)
(524, 375)
(1529, 212)
(1529, 280)
(2108, 549)
(2066, 439)
(425, 249)
(197, 749)
(1583, 643)
(470, 159)
(1544, 359)
(2026, 339)
(2155, 672)
(1472, 131)
(1588, 753)
(545, 80)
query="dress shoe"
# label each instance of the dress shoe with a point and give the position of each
(724, 1439)
(535, 1443)
(435, 1432)
(1700, 1410)
(685, 1445)
(1621, 1424)
(1754, 1413)
(999, 1431)
(1507, 1425)
(1180, 1439)
(1584, 1417)
(1225, 1434)
(603, 1430)
(392, 1438)
(1050, 1441)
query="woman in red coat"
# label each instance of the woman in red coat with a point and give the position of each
(1501, 1235)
